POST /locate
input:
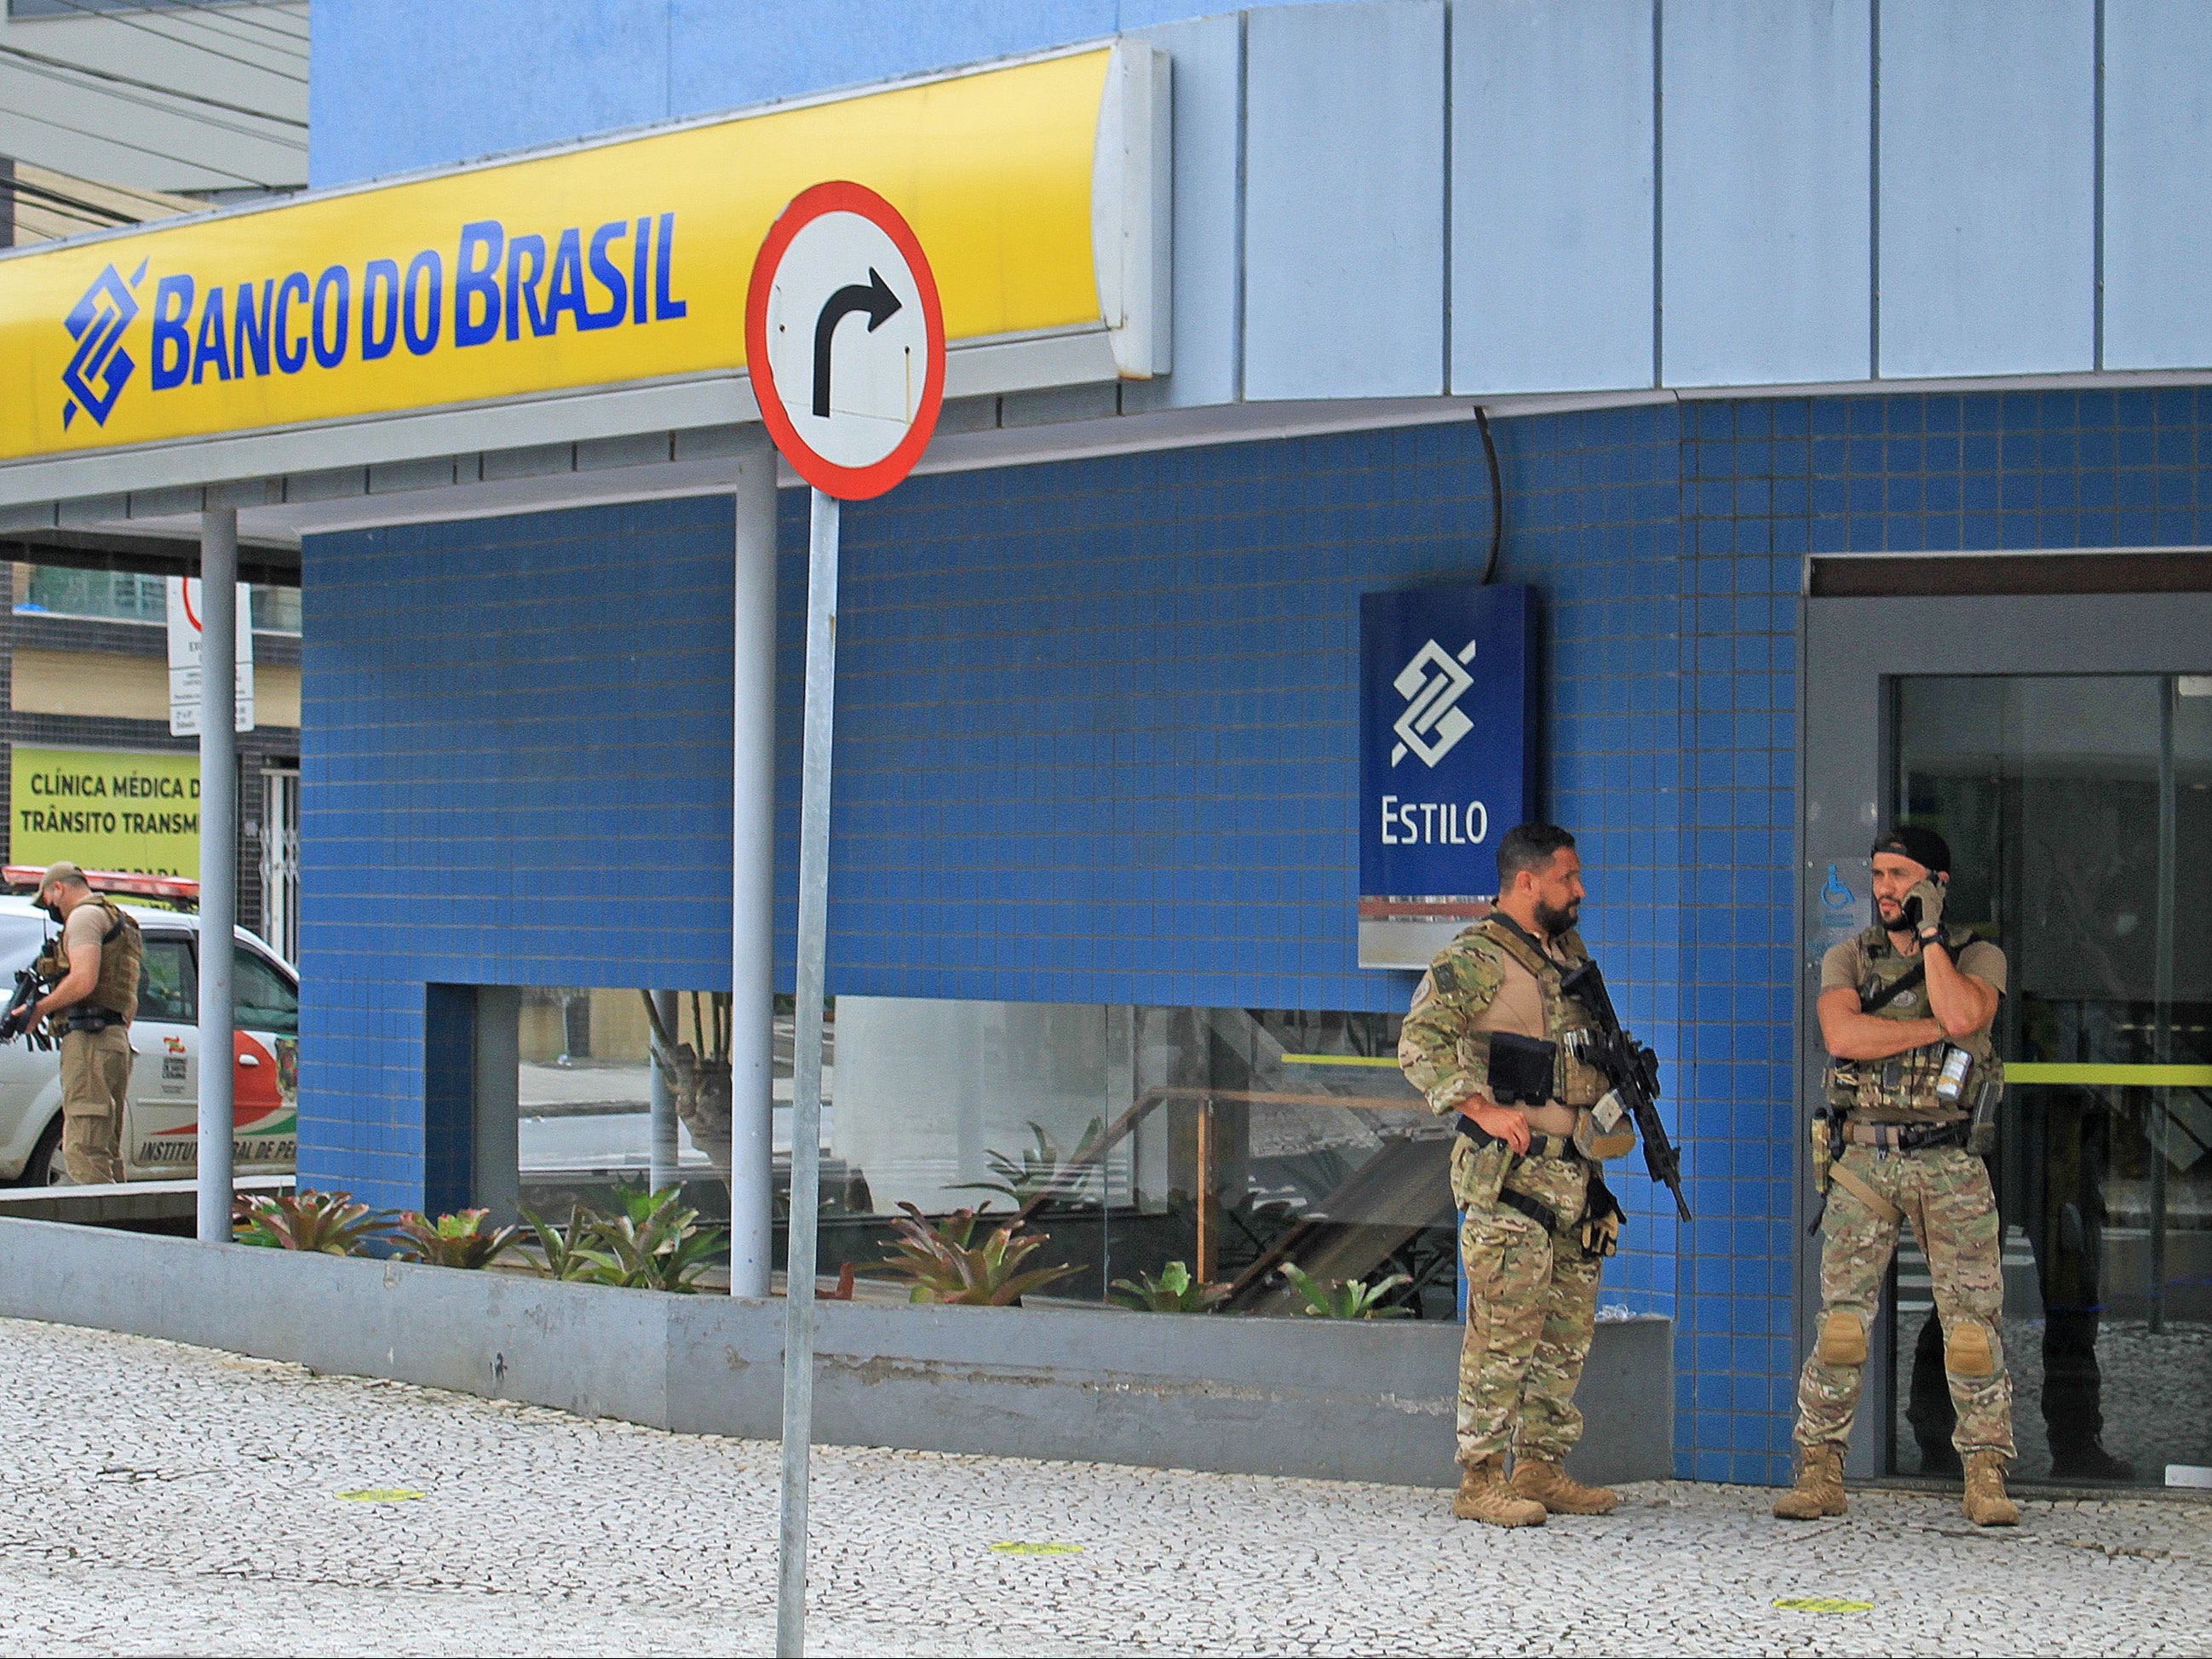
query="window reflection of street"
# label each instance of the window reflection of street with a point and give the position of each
(2080, 814)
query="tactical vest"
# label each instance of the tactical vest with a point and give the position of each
(1902, 1089)
(1574, 1081)
(120, 954)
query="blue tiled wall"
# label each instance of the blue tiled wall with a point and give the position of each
(1096, 743)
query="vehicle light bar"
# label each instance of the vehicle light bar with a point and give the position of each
(180, 891)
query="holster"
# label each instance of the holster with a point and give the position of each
(1824, 1151)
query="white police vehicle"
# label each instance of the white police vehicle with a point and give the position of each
(161, 1128)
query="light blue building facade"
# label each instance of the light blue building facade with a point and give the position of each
(1746, 292)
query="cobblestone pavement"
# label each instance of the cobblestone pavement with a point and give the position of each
(158, 1498)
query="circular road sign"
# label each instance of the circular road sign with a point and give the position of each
(845, 340)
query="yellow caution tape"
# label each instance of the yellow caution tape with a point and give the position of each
(1821, 1604)
(381, 1495)
(1018, 1549)
(2116, 1076)
(1382, 1060)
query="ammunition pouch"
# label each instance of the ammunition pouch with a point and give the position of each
(1987, 1094)
(1522, 1069)
(1824, 1151)
(1606, 1130)
(1840, 1083)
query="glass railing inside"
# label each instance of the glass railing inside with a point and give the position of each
(1174, 1160)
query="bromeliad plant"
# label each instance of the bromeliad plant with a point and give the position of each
(454, 1241)
(1174, 1292)
(1041, 1170)
(324, 1223)
(655, 1243)
(943, 1263)
(1342, 1298)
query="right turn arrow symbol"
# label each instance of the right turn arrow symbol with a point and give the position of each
(874, 297)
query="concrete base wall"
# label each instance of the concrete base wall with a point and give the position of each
(1261, 1396)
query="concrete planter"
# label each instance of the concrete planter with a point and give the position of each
(1261, 1396)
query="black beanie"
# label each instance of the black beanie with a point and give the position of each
(1921, 846)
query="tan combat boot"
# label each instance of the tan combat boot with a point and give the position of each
(1820, 1488)
(1485, 1495)
(1559, 1491)
(1986, 1503)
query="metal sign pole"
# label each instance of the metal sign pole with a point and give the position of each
(806, 1074)
(218, 863)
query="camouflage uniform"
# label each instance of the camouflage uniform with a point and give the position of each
(1531, 1292)
(1943, 1191)
(96, 1057)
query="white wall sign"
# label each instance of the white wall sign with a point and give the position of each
(185, 658)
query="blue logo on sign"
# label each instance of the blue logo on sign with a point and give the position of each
(100, 367)
(1445, 758)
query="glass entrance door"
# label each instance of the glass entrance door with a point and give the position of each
(2079, 812)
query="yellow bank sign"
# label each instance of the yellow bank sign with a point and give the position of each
(616, 262)
(105, 810)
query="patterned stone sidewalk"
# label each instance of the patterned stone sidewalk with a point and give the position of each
(160, 1498)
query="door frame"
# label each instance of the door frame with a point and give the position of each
(1853, 648)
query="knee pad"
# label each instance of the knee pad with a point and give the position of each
(1967, 1351)
(1843, 1338)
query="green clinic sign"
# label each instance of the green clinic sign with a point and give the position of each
(105, 810)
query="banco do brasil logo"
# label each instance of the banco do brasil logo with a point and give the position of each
(1432, 722)
(100, 367)
(492, 288)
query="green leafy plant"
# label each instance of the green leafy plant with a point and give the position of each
(454, 1241)
(1342, 1298)
(324, 1223)
(943, 1263)
(564, 1259)
(654, 1243)
(1041, 1170)
(1173, 1292)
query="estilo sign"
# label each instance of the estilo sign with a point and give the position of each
(1446, 759)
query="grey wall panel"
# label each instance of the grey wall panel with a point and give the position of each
(1988, 136)
(1765, 252)
(2158, 184)
(1208, 66)
(1344, 254)
(1313, 1399)
(1551, 191)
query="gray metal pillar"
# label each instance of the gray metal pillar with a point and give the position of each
(495, 1127)
(807, 1070)
(218, 861)
(752, 876)
(663, 1170)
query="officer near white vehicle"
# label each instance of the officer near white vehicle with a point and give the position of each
(92, 968)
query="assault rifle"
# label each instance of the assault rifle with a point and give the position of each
(17, 1019)
(1633, 1071)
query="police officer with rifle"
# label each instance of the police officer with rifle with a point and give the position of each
(1511, 1034)
(93, 971)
